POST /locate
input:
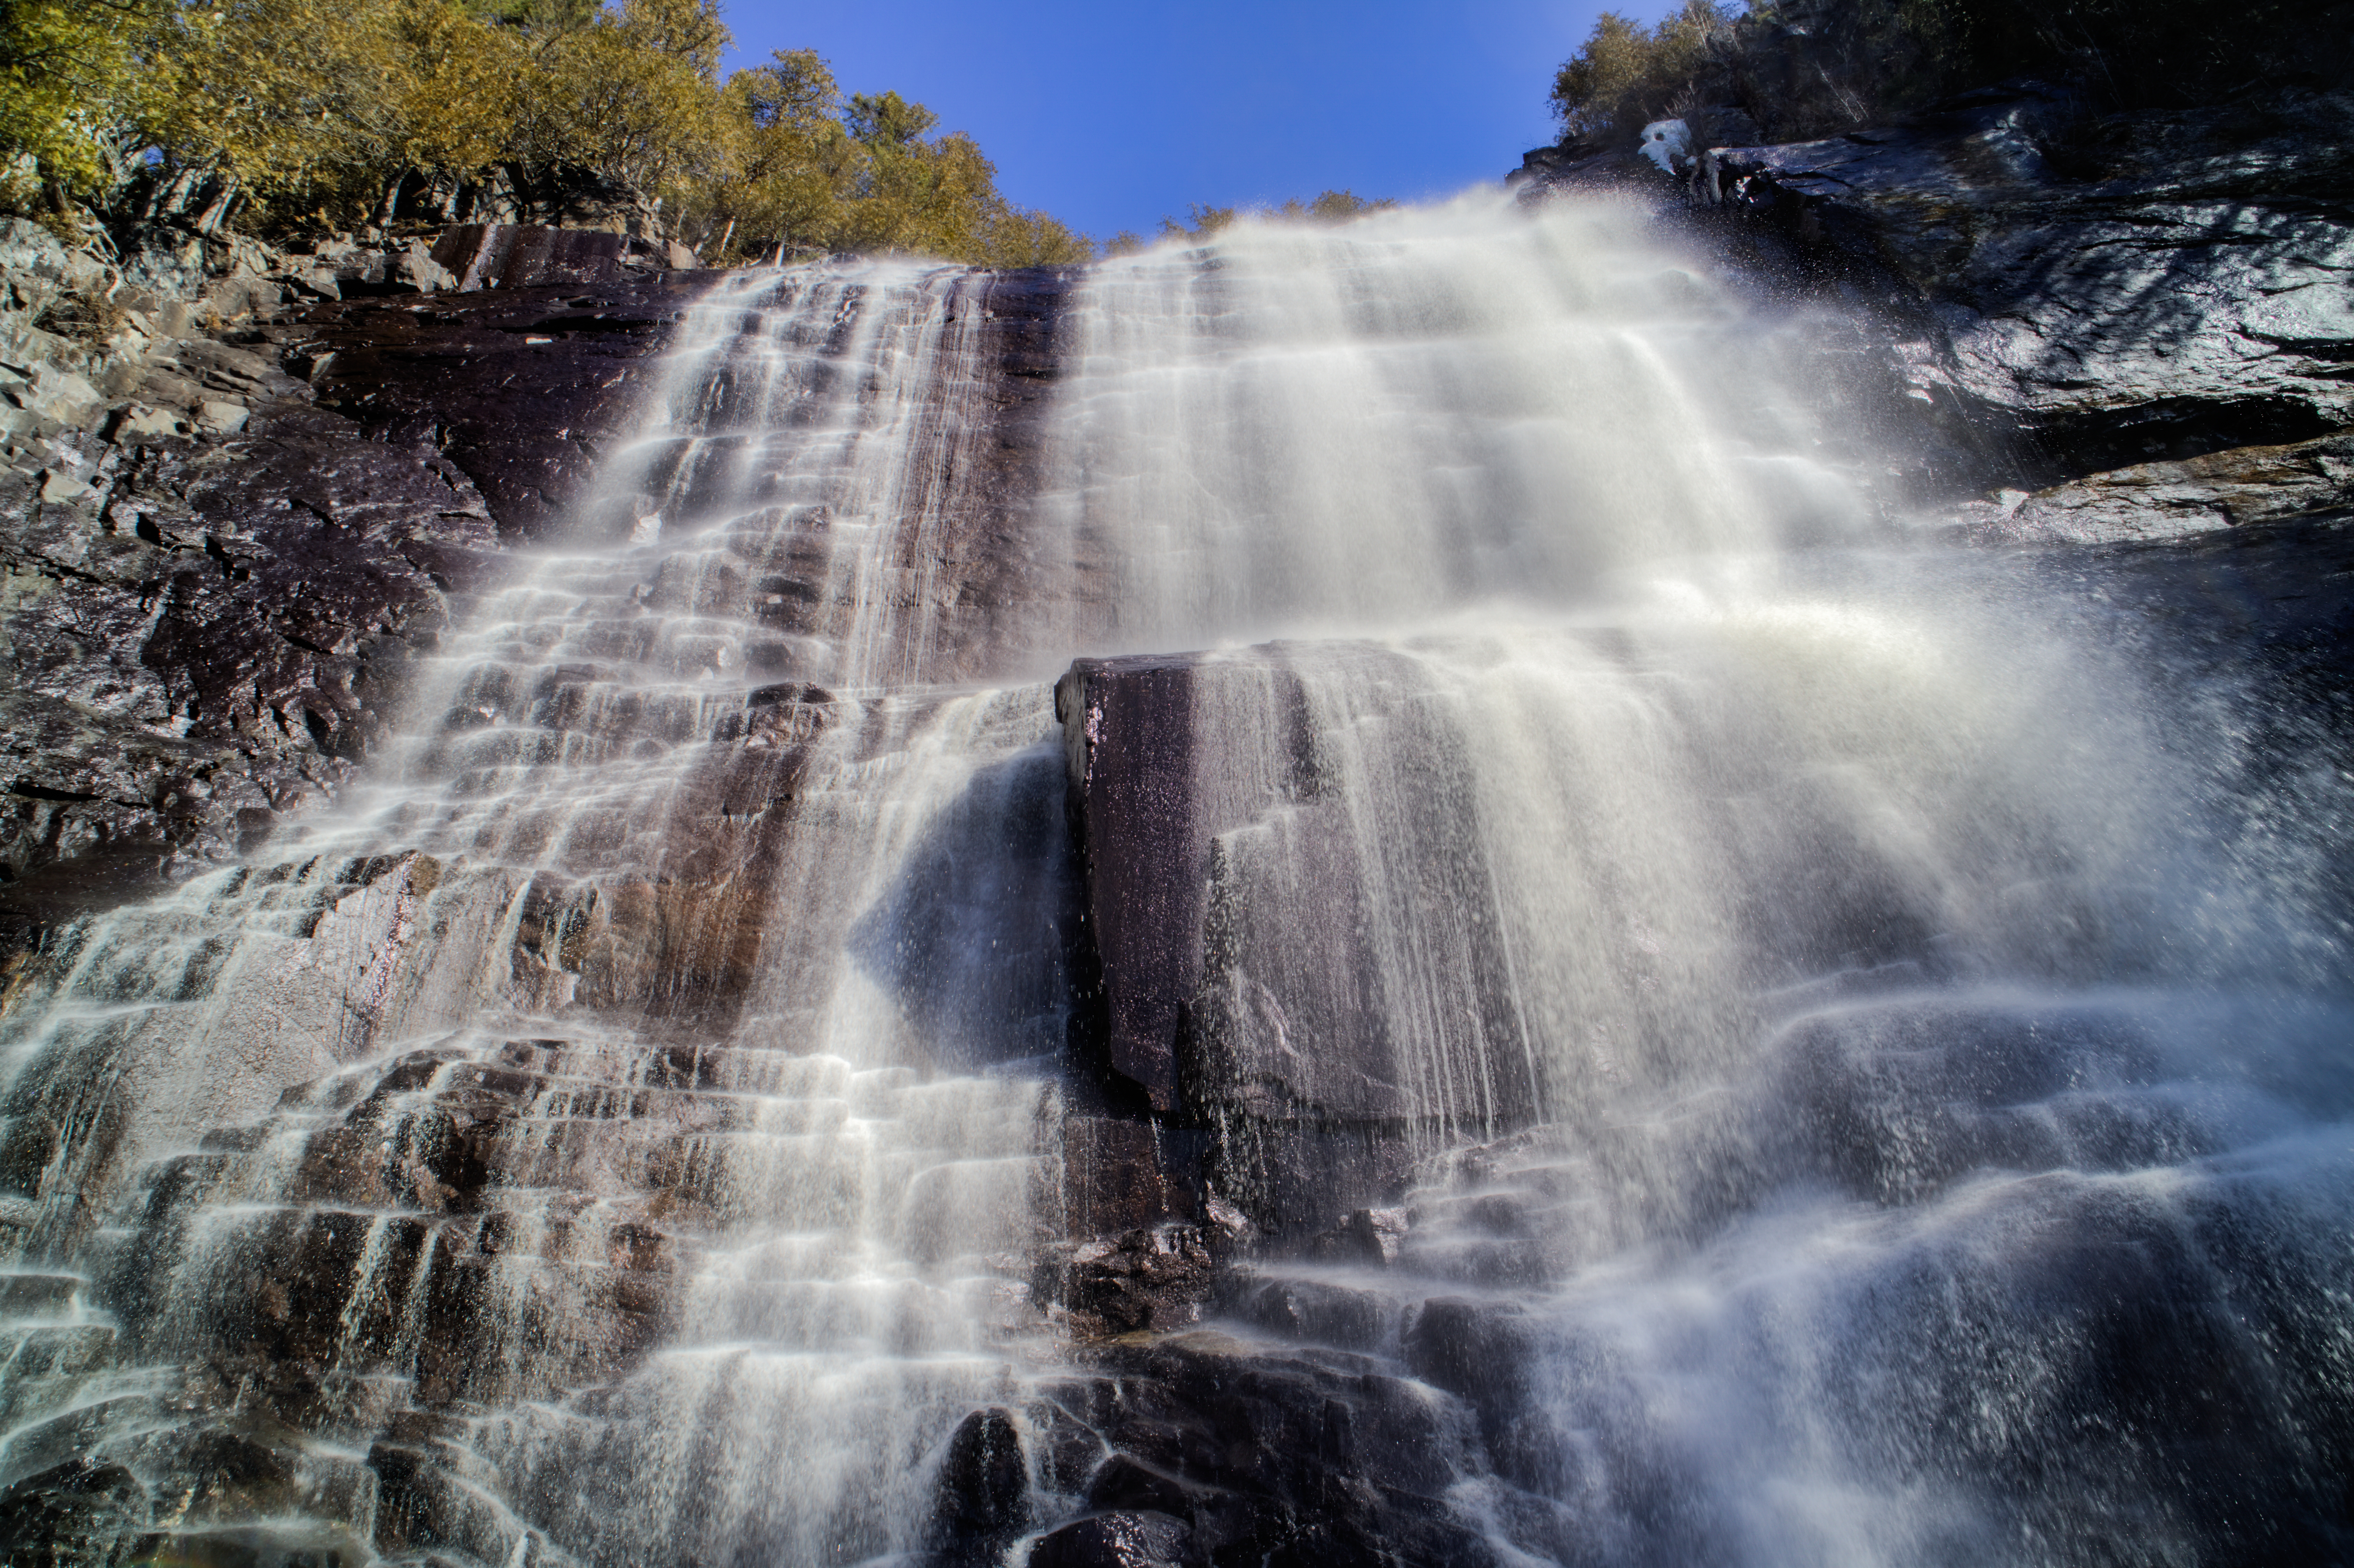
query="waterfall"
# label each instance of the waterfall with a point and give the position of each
(1828, 1044)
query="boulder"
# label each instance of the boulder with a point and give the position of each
(1273, 1454)
(981, 1499)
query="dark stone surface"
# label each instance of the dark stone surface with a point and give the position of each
(1129, 738)
(1268, 1454)
(521, 388)
(74, 1515)
(215, 633)
(519, 256)
(1129, 1539)
(211, 620)
(982, 1497)
(1238, 986)
(2085, 291)
(1147, 1279)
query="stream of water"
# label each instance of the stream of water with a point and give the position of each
(1869, 1040)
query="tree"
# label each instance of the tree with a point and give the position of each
(69, 90)
(887, 121)
(1202, 222)
(792, 162)
(633, 97)
(320, 114)
(1627, 74)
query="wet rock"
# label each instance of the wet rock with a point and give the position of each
(1147, 1279)
(1367, 1235)
(1129, 740)
(1478, 1350)
(1117, 1176)
(1311, 1309)
(203, 633)
(214, 608)
(982, 1496)
(1126, 1540)
(520, 389)
(1231, 917)
(1896, 1102)
(75, 1515)
(1294, 1456)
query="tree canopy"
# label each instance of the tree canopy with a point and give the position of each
(1810, 68)
(323, 113)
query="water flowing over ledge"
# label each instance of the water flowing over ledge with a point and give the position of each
(1342, 894)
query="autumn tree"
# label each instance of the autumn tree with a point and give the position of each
(69, 87)
(320, 114)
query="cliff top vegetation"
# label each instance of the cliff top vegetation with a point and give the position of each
(292, 116)
(1798, 69)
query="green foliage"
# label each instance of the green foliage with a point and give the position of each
(813, 172)
(1201, 222)
(635, 96)
(1629, 74)
(887, 119)
(534, 19)
(1332, 206)
(322, 110)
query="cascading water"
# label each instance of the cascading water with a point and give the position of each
(1839, 1043)
(628, 1124)
(1873, 1057)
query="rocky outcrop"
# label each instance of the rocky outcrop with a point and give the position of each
(206, 633)
(227, 550)
(2235, 488)
(1206, 1449)
(2092, 293)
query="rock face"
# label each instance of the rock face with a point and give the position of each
(211, 630)
(229, 554)
(509, 256)
(2093, 294)
(522, 388)
(1251, 975)
(2234, 488)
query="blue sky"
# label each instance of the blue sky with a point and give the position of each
(1110, 115)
